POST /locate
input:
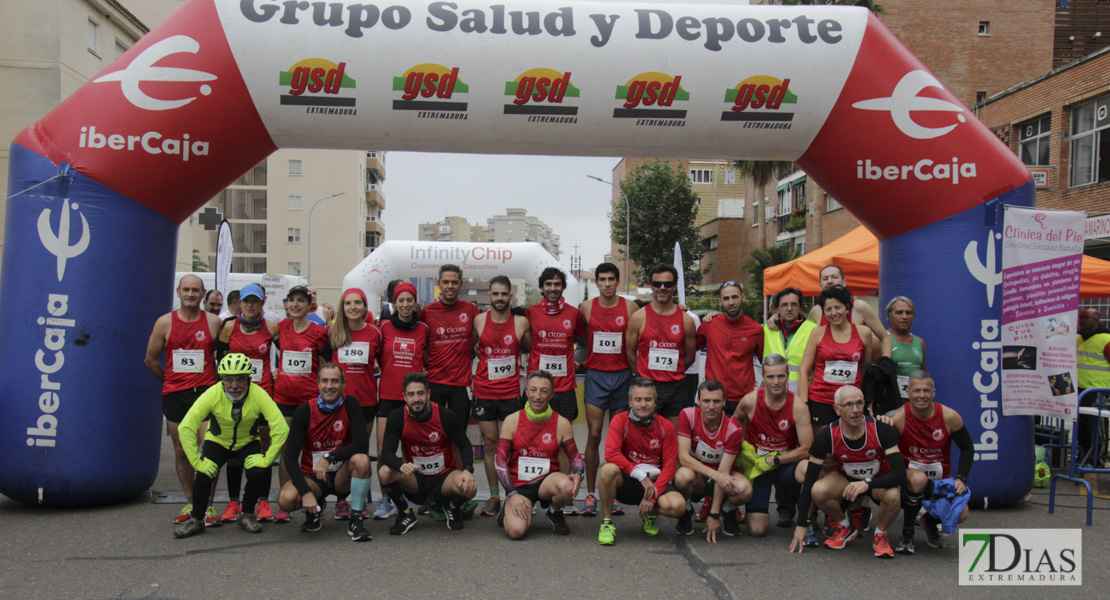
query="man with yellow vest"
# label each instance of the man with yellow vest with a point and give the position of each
(1093, 356)
(792, 332)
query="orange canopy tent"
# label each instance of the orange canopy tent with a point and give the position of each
(857, 253)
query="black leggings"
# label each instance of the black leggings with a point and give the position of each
(258, 480)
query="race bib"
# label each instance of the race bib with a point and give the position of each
(708, 455)
(556, 365)
(904, 385)
(861, 470)
(296, 363)
(530, 467)
(650, 470)
(355, 353)
(188, 361)
(256, 372)
(663, 359)
(934, 471)
(332, 467)
(501, 368)
(608, 342)
(841, 371)
(430, 465)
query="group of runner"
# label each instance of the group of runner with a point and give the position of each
(725, 443)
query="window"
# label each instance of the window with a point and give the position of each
(711, 243)
(294, 235)
(980, 97)
(256, 176)
(1033, 139)
(120, 48)
(93, 32)
(248, 264)
(249, 238)
(831, 204)
(294, 202)
(373, 239)
(243, 204)
(294, 268)
(294, 167)
(984, 27)
(701, 175)
(1090, 142)
(730, 176)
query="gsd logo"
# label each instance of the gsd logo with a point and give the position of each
(648, 97)
(758, 100)
(430, 89)
(541, 92)
(316, 83)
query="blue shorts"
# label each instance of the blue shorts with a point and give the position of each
(762, 485)
(607, 390)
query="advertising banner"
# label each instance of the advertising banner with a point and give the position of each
(1042, 252)
(225, 246)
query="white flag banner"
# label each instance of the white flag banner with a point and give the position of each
(1042, 253)
(681, 283)
(225, 246)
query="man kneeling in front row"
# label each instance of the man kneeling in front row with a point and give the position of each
(428, 434)
(327, 438)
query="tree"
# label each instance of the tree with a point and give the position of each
(759, 260)
(664, 208)
(199, 266)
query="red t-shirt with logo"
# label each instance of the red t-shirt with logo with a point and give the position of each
(401, 352)
(927, 445)
(449, 341)
(296, 379)
(605, 333)
(772, 430)
(709, 446)
(255, 346)
(497, 376)
(662, 346)
(326, 433)
(427, 445)
(730, 347)
(836, 365)
(629, 445)
(535, 449)
(190, 355)
(357, 361)
(553, 343)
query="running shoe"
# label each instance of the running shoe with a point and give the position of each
(703, 514)
(342, 510)
(491, 507)
(558, 520)
(212, 518)
(248, 522)
(741, 518)
(265, 513)
(618, 510)
(811, 537)
(861, 519)
(786, 518)
(356, 529)
(231, 512)
(467, 509)
(570, 509)
(841, 535)
(730, 526)
(280, 516)
(881, 546)
(436, 512)
(190, 527)
(829, 522)
(685, 525)
(185, 515)
(589, 508)
(607, 535)
(932, 532)
(405, 521)
(906, 545)
(313, 521)
(385, 509)
(425, 508)
(650, 524)
(454, 518)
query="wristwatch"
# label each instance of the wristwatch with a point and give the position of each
(776, 460)
(714, 516)
(867, 480)
(327, 456)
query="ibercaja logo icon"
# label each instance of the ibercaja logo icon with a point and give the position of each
(320, 85)
(758, 102)
(430, 89)
(650, 96)
(541, 92)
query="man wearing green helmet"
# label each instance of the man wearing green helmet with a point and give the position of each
(232, 408)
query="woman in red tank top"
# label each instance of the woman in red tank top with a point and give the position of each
(837, 353)
(355, 341)
(251, 334)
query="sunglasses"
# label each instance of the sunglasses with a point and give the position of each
(662, 284)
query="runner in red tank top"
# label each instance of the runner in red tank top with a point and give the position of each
(450, 322)
(708, 443)
(428, 435)
(607, 370)
(328, 443)
(859, 311)
(661, 343)
(528, 460)
(836, 355)
(188, 336)
(926, 432)
(500, 335)
(868, 463)
(777, 435)
(554, 326)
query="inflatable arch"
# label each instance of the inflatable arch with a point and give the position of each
(100, 184)
(399, 259)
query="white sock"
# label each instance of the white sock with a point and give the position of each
(727, 506)
(878, 531)
(846, 522)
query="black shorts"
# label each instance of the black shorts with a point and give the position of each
(386, 407)
(176, 404)
(566, 404)
(494, 410)
(821, 414)
(632, 491)
(287, 410)
(453, 397)
(670, 398)
(427, 486)
(327, 486)
(368, 413)
(531, 490)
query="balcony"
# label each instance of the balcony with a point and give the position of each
(375, 161)
(374, 194)
(792, 221)
(375, 225)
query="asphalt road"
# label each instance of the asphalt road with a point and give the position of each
(128, 551)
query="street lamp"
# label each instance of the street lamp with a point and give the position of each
(308, 269)
(627, 228)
